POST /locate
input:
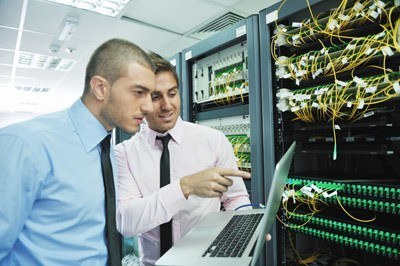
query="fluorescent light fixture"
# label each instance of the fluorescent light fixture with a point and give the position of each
(67, 29)
(35, 89)
(30, 60)
(105, 7)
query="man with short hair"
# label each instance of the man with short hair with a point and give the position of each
(52, 209)
(203, 172)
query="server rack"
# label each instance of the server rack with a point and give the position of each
(230, 57)
(243, 32)
(337, 94)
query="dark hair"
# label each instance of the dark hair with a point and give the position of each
(110, 61)
(163, 65)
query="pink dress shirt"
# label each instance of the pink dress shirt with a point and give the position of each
(143, 206)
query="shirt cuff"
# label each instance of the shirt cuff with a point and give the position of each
(172, 197)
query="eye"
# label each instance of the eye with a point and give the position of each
(138, 92)
(155, 96)
(172, 93)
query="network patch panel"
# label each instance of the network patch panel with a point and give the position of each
(370, 247)
(221, 78)
(355, 189)
(237, 130)
(356, 230)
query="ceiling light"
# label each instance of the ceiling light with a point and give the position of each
(67, 29)
(25, 58)
(32, 89)
(105, 7)
(44, 61)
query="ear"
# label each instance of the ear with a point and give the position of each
(99, 87)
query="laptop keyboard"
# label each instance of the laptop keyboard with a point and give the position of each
(235, 236)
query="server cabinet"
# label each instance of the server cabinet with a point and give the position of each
(221, 85)
(330, 81)
(220, 80)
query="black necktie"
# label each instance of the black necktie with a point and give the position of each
(165, 229)
(113, 237)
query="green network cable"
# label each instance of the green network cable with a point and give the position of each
(384, 250)
(356, 189)
(347, 228)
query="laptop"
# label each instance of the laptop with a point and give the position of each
(240, 245)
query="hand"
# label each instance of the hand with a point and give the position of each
(210, 183)
(268, 237)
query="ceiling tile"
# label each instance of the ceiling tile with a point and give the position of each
(50, 18)
(39, 43)
(5, 80)
(23, 81)
(90, 25)
(38, 77)
(179, 15)
(6, 57)
(148, 38)
(253, 6)
(226, 2)
(8, 38)
(5, 70)
(10, 12)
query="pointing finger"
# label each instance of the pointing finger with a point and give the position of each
(233, 172)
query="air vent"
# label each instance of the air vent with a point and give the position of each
(221, 23)
(216, 25)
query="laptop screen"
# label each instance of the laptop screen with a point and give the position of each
(274, 198)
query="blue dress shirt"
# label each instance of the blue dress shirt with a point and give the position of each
(52, 194)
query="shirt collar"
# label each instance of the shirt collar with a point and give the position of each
(90, 130)
(176, 132)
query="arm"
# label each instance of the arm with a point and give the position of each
(19, 177)
(214, 182)
(135, 213)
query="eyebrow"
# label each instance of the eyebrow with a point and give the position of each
(173, 88)
(170, 89)
(141, 87)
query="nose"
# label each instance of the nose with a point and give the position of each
(166, 103)
(147, 107)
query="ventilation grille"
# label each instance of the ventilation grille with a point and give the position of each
(220, 23)
(216, 25)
